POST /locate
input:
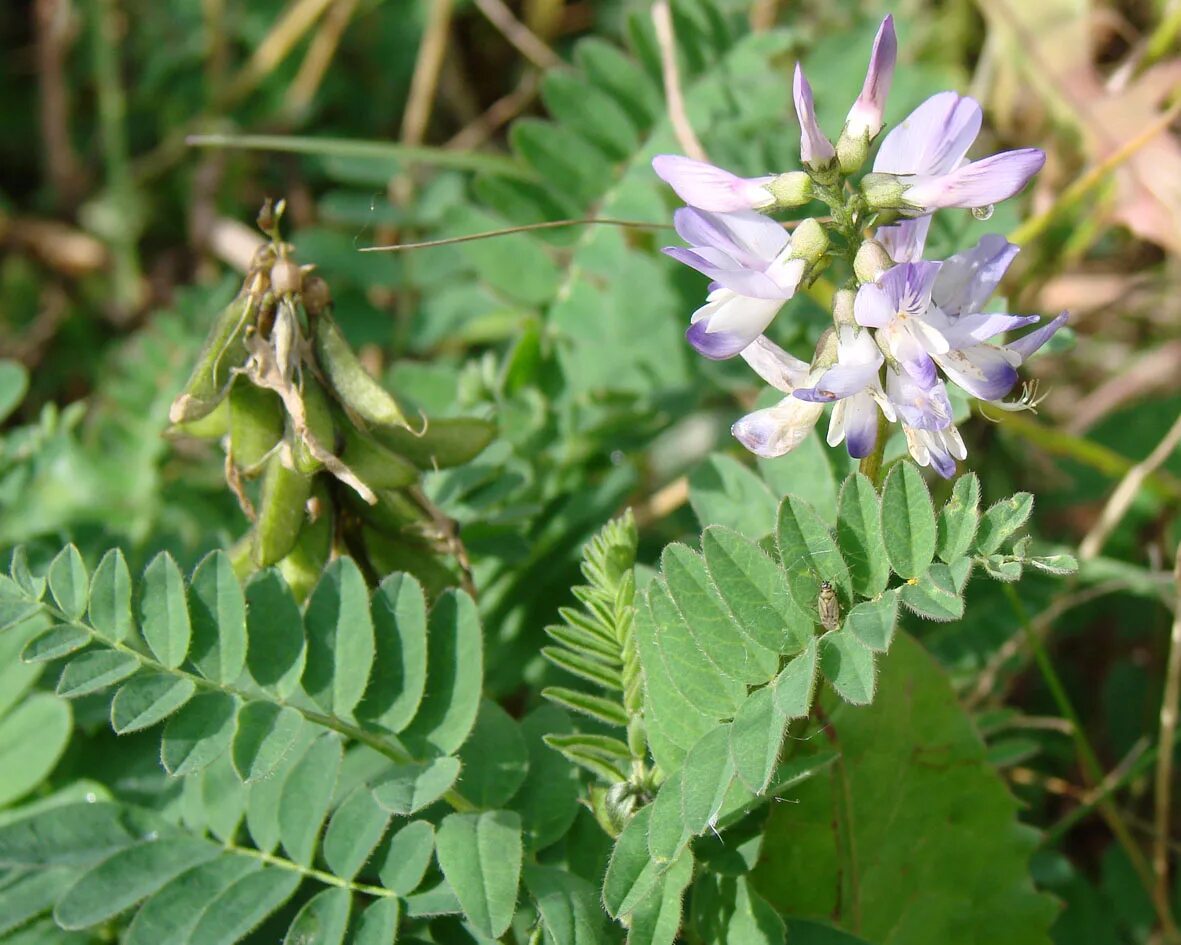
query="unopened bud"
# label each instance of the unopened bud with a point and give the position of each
(842, 307)
(317, 297)
(620, 803)
(793, 189)
(871, 261)
(809, 241)
(883, 191)
(852, 150)
(826, 350)
(286, 277)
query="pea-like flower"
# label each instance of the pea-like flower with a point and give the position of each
(749, 259)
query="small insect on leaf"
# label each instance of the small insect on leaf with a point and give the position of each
(828, 606)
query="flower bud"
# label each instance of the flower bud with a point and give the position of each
(883, 191)
(286, 277)
(842, 307)
(852, 150)
(620, 803)
(871, 261)
(793, 189)
(809, 241)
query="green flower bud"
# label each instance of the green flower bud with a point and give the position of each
(871, 261)
(842, 306)
(852, 150)
(809, 241)
(883, 191)
(793, 189)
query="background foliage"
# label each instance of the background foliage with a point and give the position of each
(403, 756)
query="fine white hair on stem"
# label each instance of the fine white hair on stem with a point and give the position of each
(674, 99)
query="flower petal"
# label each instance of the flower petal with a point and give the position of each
(750, 238)
(724, 326)
(1025, 346)
(967, 330)
(978, 184)
(774, 365)
(711, 188)
(905, 241)
(932, 139)
(982, 370)
(727, 273)
(865, 117)
(839, 381)
(872, 307)
(815, 148)
(776, 430)
(968, 279)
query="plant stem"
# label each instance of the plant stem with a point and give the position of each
(1164, 766)
(871, 465)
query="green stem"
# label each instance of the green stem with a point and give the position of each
(308, 872)
(871, 465)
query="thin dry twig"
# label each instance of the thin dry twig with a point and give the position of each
(518, 34)
(426, 72)
(1125, 493)
(663, 502)
(52, 21)
(299, 17)
(674, 99)
(498, 114)
(1164, 761)
(318, 58)
(763, 14)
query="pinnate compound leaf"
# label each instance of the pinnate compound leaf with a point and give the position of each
(908, 521)
(196, 735)
(405, 857)
(147, 698)
(32, 738)
(307, 792)
(218, 610)
(54, 643)
(944, 797)
(171, 914)
(848, 664)
(69, 583)
(110, 597)
(793, 688)
(340, 639)
(265, 734)
(400, 658)
(322, 920)
(754, 588)
(127, 877)
(959, 519)
(164, 612)
(354, 831)
(378, 924)
(93, 671)
(756, 735)
(809, 555)
(1001, 521)
(455, 666)
(935, 595)
(277, 652)
(873, 621)
(75, 834)
(569, 906)
(859, 534)
(409, 788)
(480, 856)
(243, 905)
(494, 759)
(657, 919)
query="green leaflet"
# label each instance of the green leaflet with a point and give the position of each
(809, 554)
(848, 664)
(277, 652)
(218, 611)
(409, 788)
(75, 834)
(147, 698)
(494, 759)
(792, 689)
(355, 829)
(171, 914)
(378, 924)
(657, 919)
(756, 735)
(68, 582)
(915, 715)
(322, 920)
(859, 534)
(110, 597)
(806, 473)
(569, 906)
(398, 679)
(340, 642)
(1001, 521)
(480, 855)
(935, 595)
(262, 804)
(164, 613)
(197, 734)
(873, 621)
(405, 856)
(667, 833)
(33, 736)
(959, 519)
(724, 492)
(243, 905)
(726, 909)
(908, 521)
(706, 777)
(631, 872)
(55, 642)
(307, 791)
(264, 735)
(93, 671)
(548, 799)
(455, 669)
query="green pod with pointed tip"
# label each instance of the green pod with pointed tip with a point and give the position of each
(393, 512)
(213, 426)
(442, 444)
(374, 465)
(256, 424)
(223, 351)
(352, 384)
(282, 511)
(321, 428)
(301, 569)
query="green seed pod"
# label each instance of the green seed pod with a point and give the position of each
(443, 443)
(301, 569)
(352, 384)
(373, 464)
(282, 512)
(392, 514)
(213, 426)
(223, 351)
(256, 424)
(320, 426)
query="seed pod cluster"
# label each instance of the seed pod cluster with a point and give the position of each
(321, 456)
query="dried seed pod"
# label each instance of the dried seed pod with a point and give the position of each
(828, 606)
(317, 297)
(351, 383)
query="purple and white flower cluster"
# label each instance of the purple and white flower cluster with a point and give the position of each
(907, 326)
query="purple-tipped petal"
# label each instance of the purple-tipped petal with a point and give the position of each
(751, 239)
(711, 188)
(967, 330)
(842, 380)
(967, 279)
(815, 148)
(1025, 346)
(905, 241)
(932, 139)
(774, 365)
(908, 287)
(777, 430)
(861, 425)
(724, 326)
(727, 273)
(983, 371)
(718, 345)
(978, 184)
(942, 462)
(865, 117)
(918, 407)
